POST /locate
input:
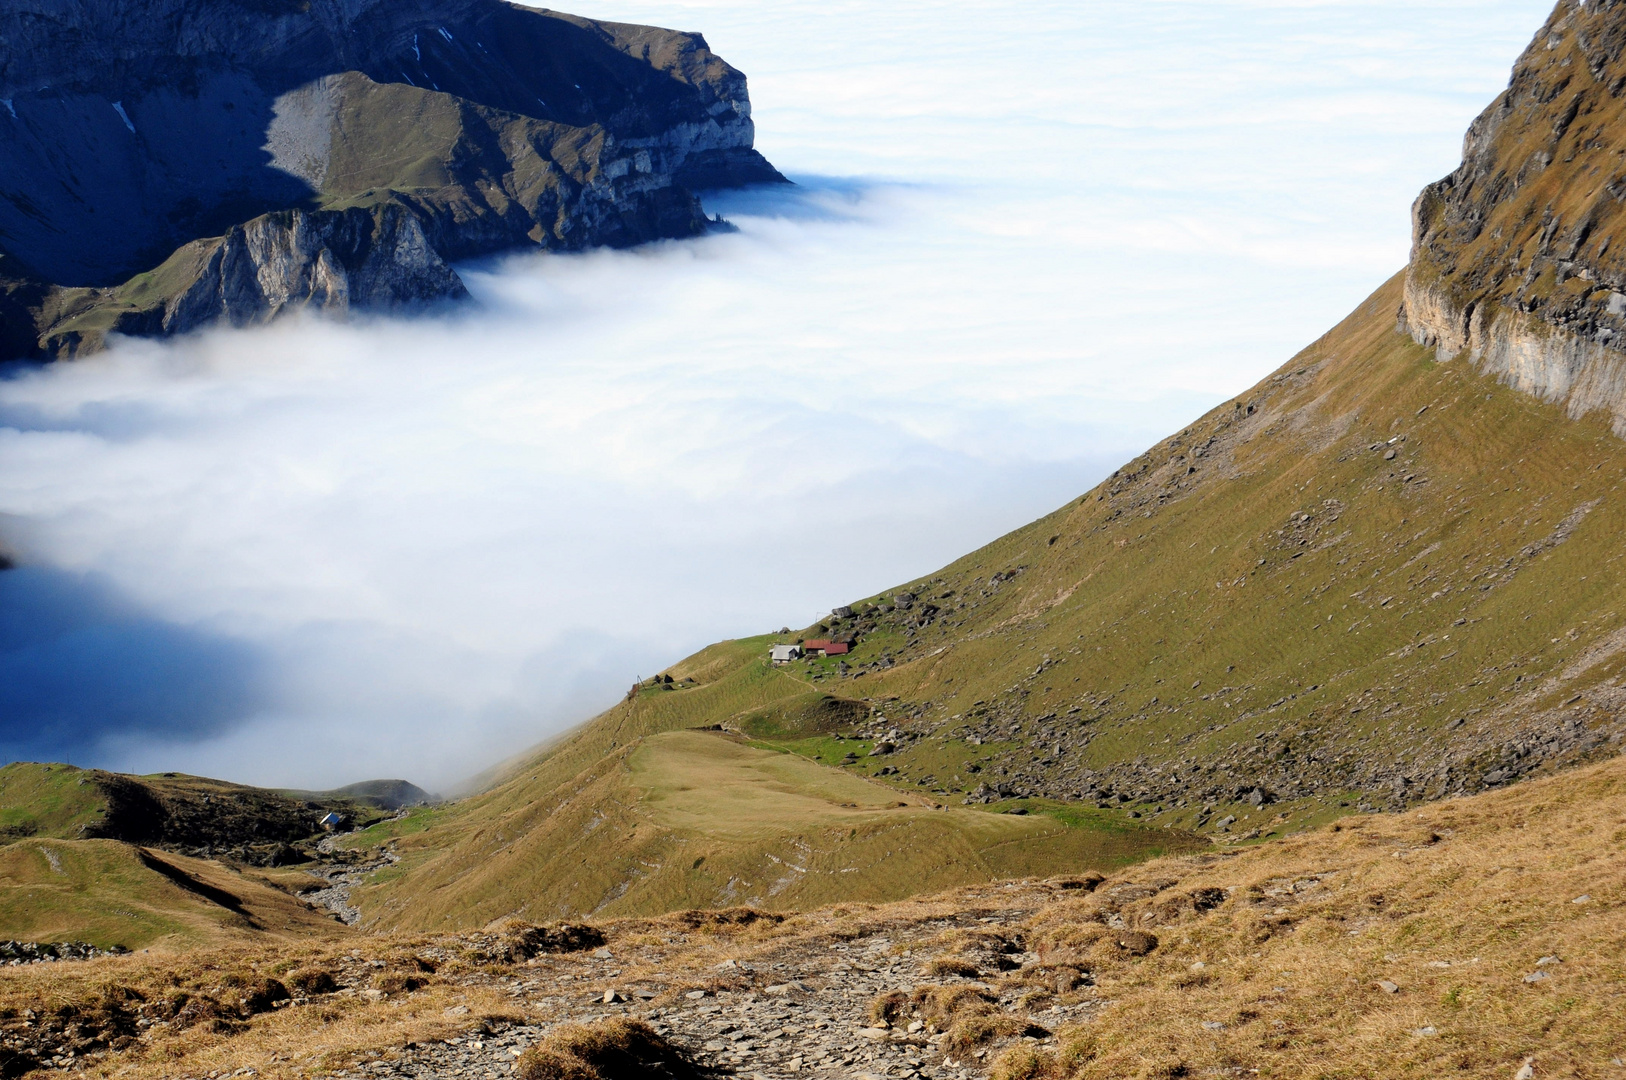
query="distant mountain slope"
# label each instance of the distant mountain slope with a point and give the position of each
(181, 813)
(226, 161)
(379, 794)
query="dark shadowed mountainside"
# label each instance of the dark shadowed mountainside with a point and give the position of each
(176, 164)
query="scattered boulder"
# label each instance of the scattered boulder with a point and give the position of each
(32, 952)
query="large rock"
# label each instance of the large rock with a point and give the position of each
(178, 163)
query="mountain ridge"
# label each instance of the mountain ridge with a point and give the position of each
(975, 691)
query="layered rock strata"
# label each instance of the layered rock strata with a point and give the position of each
(228, 161)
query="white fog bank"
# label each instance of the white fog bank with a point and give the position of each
(1026, 240)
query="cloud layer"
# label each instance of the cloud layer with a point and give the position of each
(1026, 241)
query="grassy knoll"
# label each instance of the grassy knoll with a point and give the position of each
(87, 855)
(47, 800)
(692, 818)
(109, 893)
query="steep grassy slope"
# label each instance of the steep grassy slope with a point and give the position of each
(1369, 580)
(109, 893)
(1372, 576)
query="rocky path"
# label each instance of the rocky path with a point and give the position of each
(335, 895)
(794, 1011)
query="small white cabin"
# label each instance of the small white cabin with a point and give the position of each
(784, 654)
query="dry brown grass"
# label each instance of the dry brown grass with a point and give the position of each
(287, 1009)
(968, 1014)
(1270, 958)
(1453, 904)
(607, 1050)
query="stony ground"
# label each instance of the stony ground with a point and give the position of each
(352, 870)
(789, 1009)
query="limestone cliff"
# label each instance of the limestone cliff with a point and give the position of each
(189, 162)
(1515, 258)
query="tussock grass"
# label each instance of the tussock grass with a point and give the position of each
(606, 1050)
(1453, 904)
(969, 1015)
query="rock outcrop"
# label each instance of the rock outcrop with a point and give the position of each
(1515, 258)
(226, 161)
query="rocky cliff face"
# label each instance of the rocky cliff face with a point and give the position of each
(189, 162)
(1515, 258)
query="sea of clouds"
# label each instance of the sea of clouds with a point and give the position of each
(1026, 240)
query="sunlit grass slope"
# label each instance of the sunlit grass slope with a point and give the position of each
(1369, 580)
(686, 819)
(48, 800)
(110, 893)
